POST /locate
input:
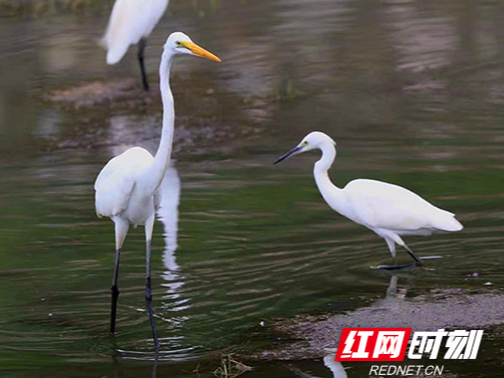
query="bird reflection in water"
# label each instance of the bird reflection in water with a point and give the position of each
(393, 290)
(119, 372)
(336, 367)
(394, 296)
(168, 215)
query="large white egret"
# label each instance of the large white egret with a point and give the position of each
(389, 210)
(127, 187)
(130, 23)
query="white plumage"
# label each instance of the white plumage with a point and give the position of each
(115, 187)
(388, 210)
(377, 204)
(130, 21)
(127, 188)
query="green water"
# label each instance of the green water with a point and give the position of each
(413, 92)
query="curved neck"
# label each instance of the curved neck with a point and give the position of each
(157, 171)
(331, 193)
(327, 159)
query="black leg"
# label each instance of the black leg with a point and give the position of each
(418, 262)
(148, 294)
(115, 292)
(141, 49)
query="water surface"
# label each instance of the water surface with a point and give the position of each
(412, 91)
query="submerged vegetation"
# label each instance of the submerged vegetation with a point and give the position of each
(230, 368)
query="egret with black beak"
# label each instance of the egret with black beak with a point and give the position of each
(389, 210)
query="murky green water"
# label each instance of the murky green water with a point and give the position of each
(413, 92)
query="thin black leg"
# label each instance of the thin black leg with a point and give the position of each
(115, 292)
(406, 266)
(418, 262)
(148, 294)
(396, 267)
(141, 49)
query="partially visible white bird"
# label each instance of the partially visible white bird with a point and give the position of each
(130, 23)
(389, 210)
(127, 187)
(336, 368)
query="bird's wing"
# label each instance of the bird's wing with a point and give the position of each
(378, 204)
(129, 22)
(116, 181)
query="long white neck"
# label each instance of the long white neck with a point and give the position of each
(157, 171)
(331, 193)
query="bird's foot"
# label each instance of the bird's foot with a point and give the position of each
(396, 267)
(408, 266)
(430, 257)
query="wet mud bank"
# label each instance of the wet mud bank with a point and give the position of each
(311, 337)
(118, 113)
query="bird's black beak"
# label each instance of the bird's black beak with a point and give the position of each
(288, 154)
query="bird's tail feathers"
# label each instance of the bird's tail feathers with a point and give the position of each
(115, 45)
(114, 55)
(448, 223)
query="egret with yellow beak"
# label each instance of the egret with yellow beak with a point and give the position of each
(126, 189)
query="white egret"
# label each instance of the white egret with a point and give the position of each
(130, 23)
(127, 187)
(389, 210)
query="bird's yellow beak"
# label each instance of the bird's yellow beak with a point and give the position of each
(195, 49)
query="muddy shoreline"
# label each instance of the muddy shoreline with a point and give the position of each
(311, 337)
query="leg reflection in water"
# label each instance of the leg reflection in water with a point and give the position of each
(173, 280)
(119, 373)
(394, 298)
(168, 215)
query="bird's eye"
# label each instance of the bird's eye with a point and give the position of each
(178, 43)
(305, 143)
